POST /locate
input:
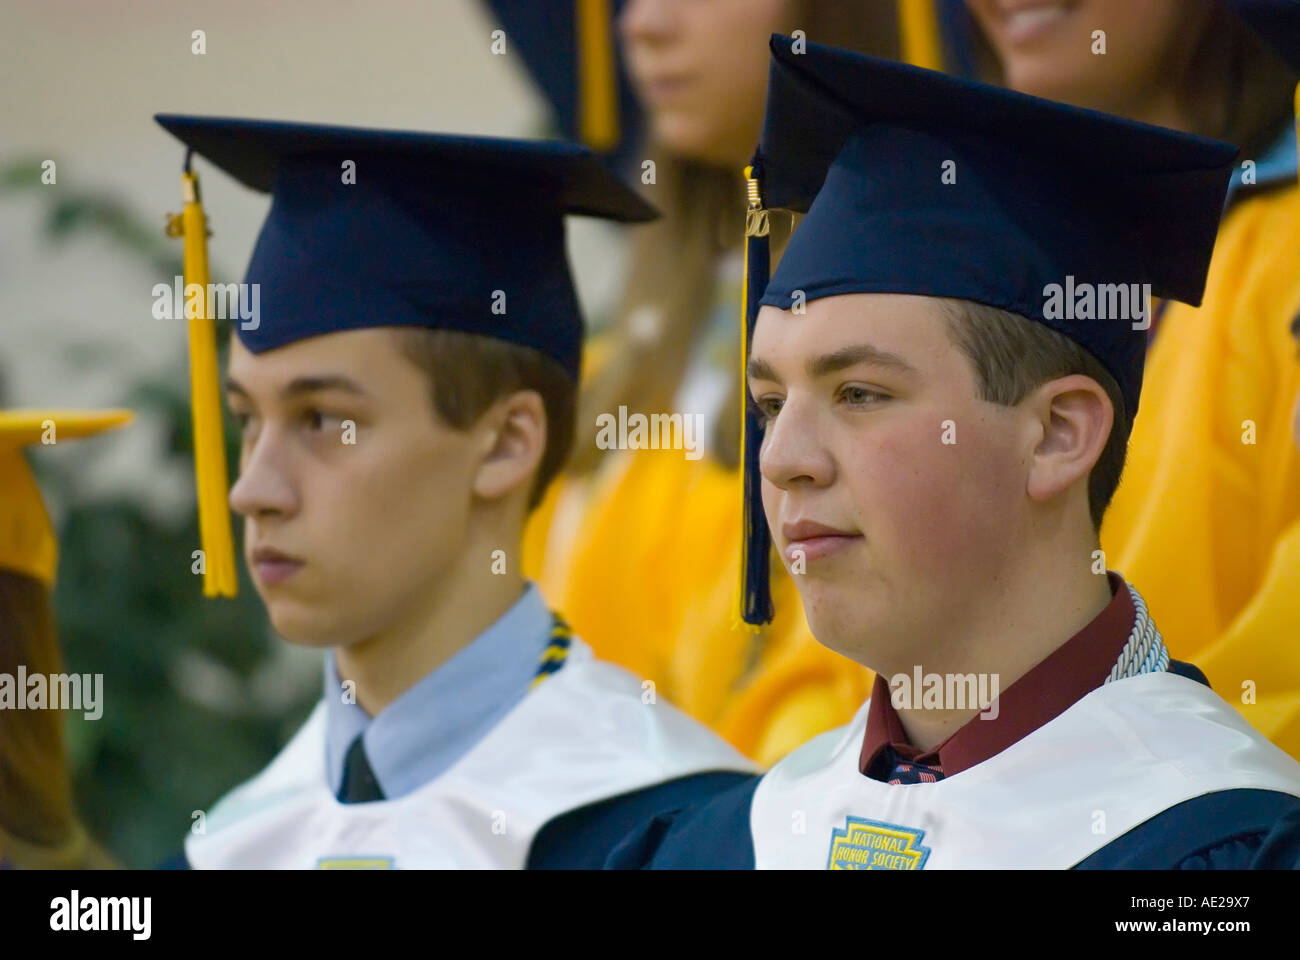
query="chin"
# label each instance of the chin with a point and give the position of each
(304, 626)
(1044, 77)
(682, 136)
(845, 618)
(829, 609)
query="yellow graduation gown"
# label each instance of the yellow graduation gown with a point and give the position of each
(1255, 666)
(1212, 483)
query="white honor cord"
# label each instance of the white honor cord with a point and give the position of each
(1145, 651)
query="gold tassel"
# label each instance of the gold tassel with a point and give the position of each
(598, 124)
(918, 26)
(219, 579)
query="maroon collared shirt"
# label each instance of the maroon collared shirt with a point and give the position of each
(1070, 672)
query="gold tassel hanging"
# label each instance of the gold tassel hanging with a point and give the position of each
(219, 578)
(598, 124)
(918, 24)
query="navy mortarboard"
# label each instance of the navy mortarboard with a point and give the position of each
(914, 182)
(1102, 752)
(391, 228)
(388, 228)
(510, 747)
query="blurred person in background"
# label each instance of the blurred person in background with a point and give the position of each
(1246, 658)
(636, 545)
(1211, 492)
(39, 826)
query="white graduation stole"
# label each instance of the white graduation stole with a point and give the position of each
(1124, 753)
(582, 736)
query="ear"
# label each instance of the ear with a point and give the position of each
(514, 440)
(1075, 417)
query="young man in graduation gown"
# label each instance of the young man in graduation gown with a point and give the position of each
(404, 395)
(941, 427)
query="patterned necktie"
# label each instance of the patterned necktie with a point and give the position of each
(359, 782)
(909, 771)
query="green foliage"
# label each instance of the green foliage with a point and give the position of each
(71, 211)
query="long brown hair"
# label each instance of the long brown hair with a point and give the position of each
(38, 822)
(1239, 89)
(675, 260)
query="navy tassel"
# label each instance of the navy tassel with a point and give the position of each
(755, 585)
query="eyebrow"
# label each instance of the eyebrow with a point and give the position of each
(841, 359)
(300, 385)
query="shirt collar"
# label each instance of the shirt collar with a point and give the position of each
(1070, 672)
(423, 732)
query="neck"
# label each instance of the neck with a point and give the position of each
(1163, 109)
(464, 603)
(1006, 630)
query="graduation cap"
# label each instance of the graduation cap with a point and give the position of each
(915, 182)
(569, 48)
(371, 228)
(27, 542)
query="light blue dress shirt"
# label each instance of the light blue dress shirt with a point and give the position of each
(423, 732)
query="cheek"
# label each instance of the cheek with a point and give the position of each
(396, 512)
(1141, 42)
(932, 504)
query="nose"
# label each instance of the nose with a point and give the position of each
(265, 487)
(793, 453)
(647, 21)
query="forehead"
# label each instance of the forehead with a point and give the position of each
(370, 355)
(912, 327)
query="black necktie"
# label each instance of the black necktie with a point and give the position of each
(359, 782)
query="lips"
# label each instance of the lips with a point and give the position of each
(664, 88)
(1024, 22)
(272, 567)
(809, 540)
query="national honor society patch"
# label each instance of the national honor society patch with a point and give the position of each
(873, 845)
(354, 863)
